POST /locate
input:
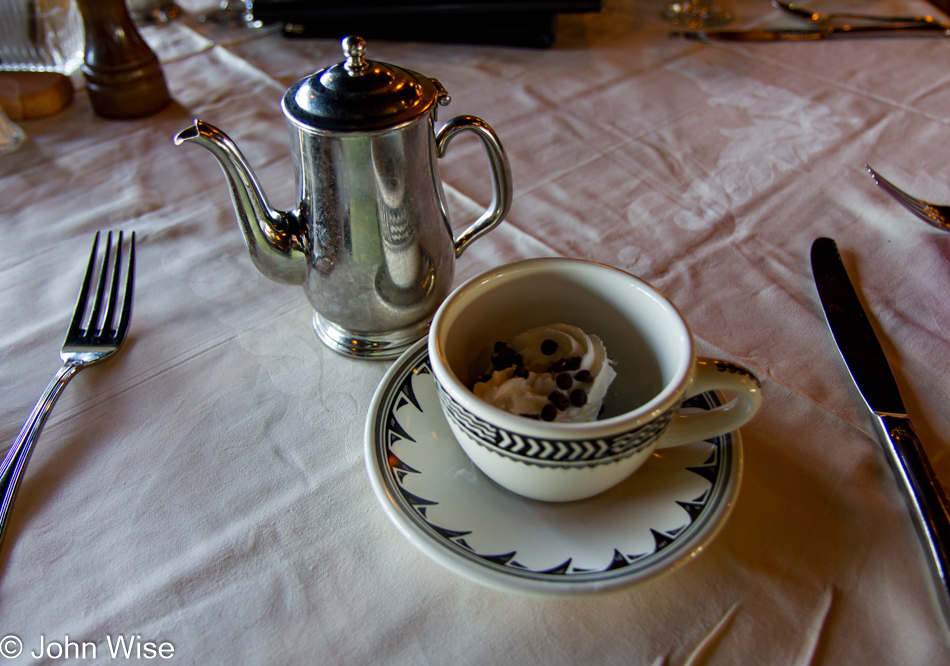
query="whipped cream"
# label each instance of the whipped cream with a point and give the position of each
(553, 373)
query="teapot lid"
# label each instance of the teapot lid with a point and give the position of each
(360, 95)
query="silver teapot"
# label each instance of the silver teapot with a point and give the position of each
(370, 240)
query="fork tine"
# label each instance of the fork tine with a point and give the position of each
(92, 326)
(75, 325)
(919, 208)
(114, 289)
(901, 196)
(912, 205)
(126, 313)
(897, 193)
(884, 183)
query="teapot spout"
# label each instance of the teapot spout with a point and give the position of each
(275, 239)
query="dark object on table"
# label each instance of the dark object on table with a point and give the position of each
(942, 5)
(519, 23)
(123, 75)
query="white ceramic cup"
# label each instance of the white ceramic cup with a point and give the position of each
(646, 338)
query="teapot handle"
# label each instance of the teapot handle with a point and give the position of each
(500, 176)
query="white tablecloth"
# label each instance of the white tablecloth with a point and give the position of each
(206, 488)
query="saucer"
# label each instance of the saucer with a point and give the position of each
(656, 520)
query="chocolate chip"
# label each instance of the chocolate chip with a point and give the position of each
(559, 400)
(521, 371)
(564, 381)
(501, 346)
(548, 413)
(584, 377)
(558, 366)
(572, 363)
(504, 360)
(578, 397)
(548, 347)
(504, 350)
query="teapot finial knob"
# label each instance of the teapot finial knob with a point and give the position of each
(353, 48)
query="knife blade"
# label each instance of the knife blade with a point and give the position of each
(867, 363)
(814, 34)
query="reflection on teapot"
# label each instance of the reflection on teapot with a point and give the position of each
(370, 240)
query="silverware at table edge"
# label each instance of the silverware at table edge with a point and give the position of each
(933, 214)
(814, 34)
(871, 373)
(90, 338)
(817, 18)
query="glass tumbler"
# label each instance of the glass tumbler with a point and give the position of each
(11, 136)
(40, 35)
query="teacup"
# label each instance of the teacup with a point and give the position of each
(648, 341)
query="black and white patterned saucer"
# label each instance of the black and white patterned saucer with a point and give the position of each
(652, 522)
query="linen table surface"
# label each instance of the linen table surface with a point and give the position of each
(206, 487)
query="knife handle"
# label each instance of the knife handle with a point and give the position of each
(925, 494)
(894, 28)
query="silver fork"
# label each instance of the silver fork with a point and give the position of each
(933, 214)
(89, 339)
(814, 17)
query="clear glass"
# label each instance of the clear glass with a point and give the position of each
(41, 36)
(11, 136)
(233, 14)
(153, 12)
(697, 14)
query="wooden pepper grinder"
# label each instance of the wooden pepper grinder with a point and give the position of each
(123, 75)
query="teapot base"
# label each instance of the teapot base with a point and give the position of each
(374, 346)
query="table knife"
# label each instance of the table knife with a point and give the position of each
(814, 34)
(865, 359)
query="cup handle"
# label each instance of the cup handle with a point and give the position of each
(500, 176)
(709, 375)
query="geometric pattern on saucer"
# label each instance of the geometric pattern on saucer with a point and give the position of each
(715, 470)
(554, 452)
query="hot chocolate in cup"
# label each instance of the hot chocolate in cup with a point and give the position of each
(651, 349)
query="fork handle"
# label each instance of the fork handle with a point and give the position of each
(16, 459)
